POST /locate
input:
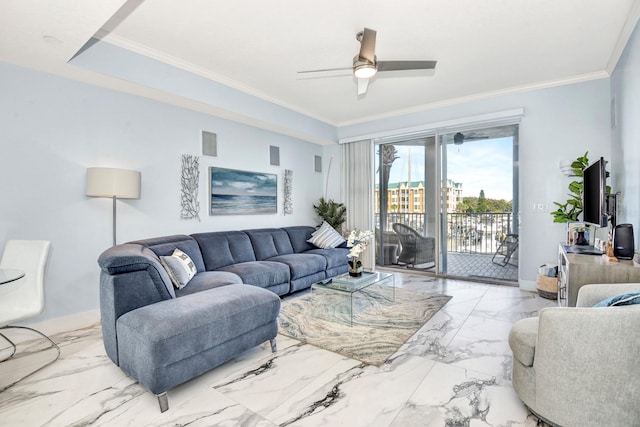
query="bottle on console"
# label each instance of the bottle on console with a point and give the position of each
(623, 243)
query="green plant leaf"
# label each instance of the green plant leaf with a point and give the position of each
(334, 213)
(572, 209)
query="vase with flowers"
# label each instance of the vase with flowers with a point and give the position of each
(357, 241)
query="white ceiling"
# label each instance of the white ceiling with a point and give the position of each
(483, 47)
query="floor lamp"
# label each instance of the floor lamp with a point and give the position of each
(114, 183)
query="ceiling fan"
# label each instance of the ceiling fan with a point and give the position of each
(366, 65)
(459, 138)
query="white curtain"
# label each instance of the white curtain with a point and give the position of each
(357, 191)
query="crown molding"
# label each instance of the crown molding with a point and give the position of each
(625, 34)
(479, 97)
(192, 68)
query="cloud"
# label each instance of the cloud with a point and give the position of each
(242, 185)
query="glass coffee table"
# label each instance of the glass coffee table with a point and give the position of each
(350, 287)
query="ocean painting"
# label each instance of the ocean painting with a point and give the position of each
(236, 192)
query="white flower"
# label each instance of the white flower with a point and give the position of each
(358, 242)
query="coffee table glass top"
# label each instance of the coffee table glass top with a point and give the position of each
(346, 288)
(346, 283)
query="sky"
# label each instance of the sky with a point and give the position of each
(479, 165)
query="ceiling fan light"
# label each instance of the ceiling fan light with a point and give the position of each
(365, 71)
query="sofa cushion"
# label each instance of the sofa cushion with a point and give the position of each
(164, 246)
(224, 248)
(209, 280)
(522, 340)
(180, 268)
(335, 257)
(326, 237)
(264, 274)
(298, 235)
(302, 265)
(631, 298)
(269, 242)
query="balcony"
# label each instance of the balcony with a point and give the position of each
(472, 240)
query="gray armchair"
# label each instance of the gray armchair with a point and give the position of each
(578, 366)
(415, 249)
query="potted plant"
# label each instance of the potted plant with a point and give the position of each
(334, 213)
(572, 208)
(358, 242)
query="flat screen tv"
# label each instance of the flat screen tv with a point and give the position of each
(594, 197)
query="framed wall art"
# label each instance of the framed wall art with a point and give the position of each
(236, 192)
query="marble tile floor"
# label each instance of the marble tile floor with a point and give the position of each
(455, 371)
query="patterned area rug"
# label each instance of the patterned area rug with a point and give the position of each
(383, 320)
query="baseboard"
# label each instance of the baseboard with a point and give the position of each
(528, 285)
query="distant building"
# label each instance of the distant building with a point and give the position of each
(454, 195)
(406, 197)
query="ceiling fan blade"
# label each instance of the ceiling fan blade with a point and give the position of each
(329, 72)
(405, 65)
(368, 45)
(362, 86)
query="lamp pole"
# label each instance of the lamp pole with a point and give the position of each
(114, 219)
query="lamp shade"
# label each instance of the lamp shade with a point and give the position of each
(110, 182)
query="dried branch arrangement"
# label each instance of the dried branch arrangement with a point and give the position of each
(288, 189)
(189, 179)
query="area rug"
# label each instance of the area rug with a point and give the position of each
(383, 320)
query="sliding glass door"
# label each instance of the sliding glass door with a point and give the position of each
(448, 207)
(479, 187)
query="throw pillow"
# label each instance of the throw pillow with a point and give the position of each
(180, 268)
(630, 298)
(326, 237)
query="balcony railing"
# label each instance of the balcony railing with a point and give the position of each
(475, 233)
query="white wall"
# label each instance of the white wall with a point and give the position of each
(559, 123)
(52, 129)
(625, 165)
(220, 100)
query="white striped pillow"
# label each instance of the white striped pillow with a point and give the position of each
(326, 237)
(180, 268)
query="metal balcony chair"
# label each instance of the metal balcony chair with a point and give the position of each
(507, 248)
(415, 248)
(23, 298)
(390, 247)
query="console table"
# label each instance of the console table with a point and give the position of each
(575, 270)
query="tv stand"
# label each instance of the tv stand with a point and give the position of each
(575, 271)
(582, 250)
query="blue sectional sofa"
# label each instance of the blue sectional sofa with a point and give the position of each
(163, 336)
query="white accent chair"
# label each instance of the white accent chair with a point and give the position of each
(578, 366)
(23, 298)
